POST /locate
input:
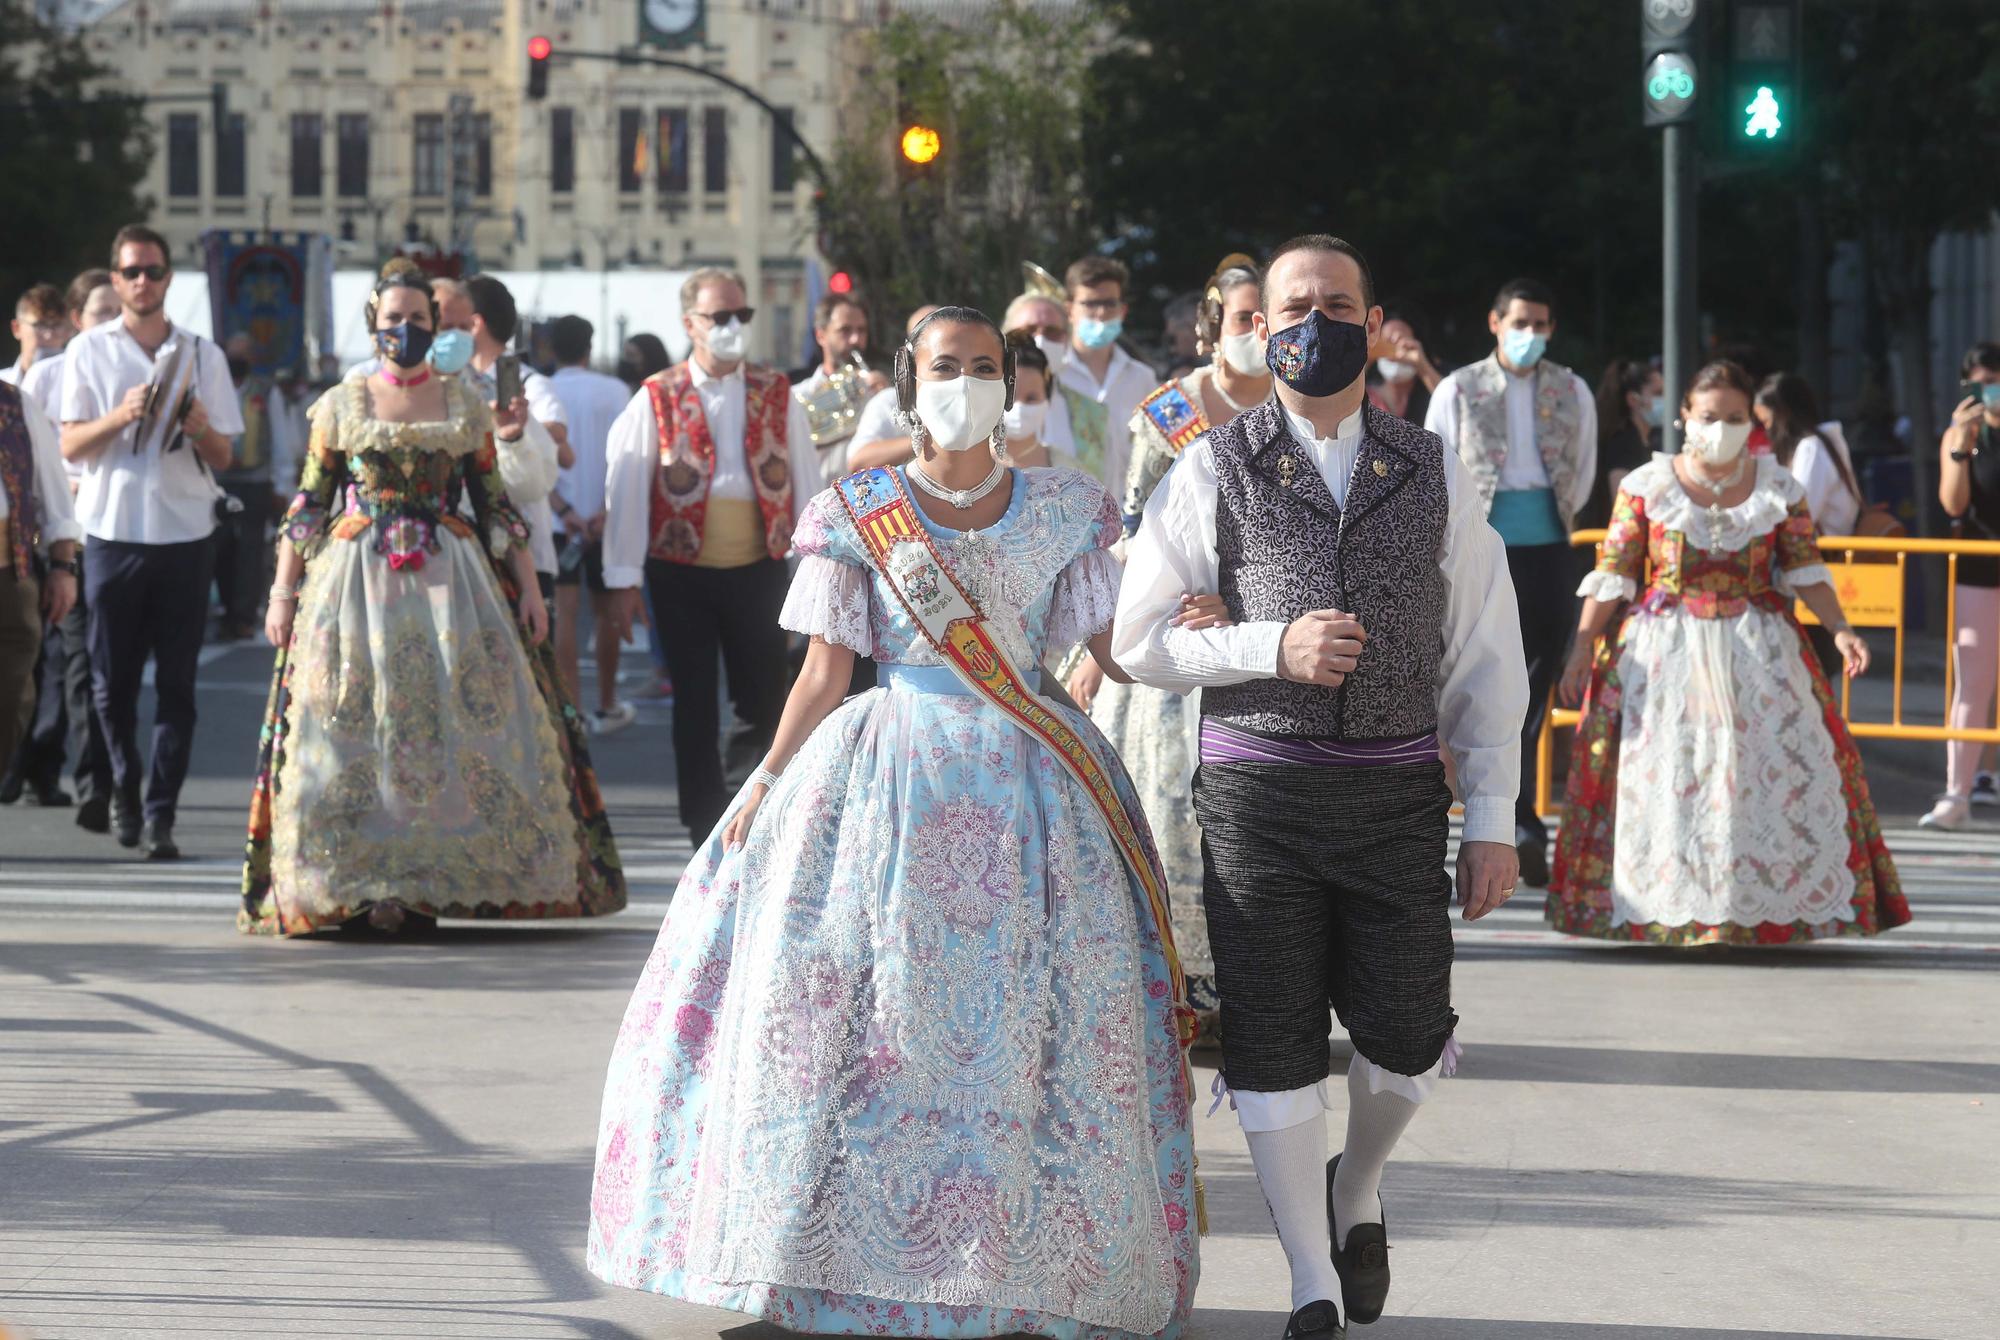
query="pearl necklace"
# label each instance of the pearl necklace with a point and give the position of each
(1717, 487)
(959, 498)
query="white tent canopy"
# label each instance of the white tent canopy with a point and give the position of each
(618, 304)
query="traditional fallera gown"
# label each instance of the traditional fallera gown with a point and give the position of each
(1715, 795)
(906, 1062)
(415, 750)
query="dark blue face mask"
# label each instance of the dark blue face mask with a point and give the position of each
(1319, 357)
(406, 345)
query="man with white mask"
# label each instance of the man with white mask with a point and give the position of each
(1527, 430)
(1097, 370)
(1372, 624)
(707, 471)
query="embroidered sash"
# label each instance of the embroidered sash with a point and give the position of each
(901, 550)
(1176, 414)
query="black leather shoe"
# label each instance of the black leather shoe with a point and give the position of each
(94, 815)
(1363, 1264)
(49, 795)
(1534, 863)
(1316, 1321)
(125, 823)
(159, 843)
(10, 787)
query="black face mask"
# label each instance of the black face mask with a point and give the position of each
(406, 345)
(1319, 357)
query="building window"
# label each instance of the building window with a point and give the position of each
(714, 150)
(183, 154)
(674, 149)
(562, 149)
(350, 132)
(482, 154)
(784, 152)
(631, 152)
(308, 129)
(231, 157)
(427, 163)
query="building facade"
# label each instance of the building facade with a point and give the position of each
(383, 122)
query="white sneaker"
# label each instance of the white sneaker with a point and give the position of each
(1984, 791)
(1948, 815)
(610, 722)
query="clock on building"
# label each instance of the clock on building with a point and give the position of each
(672, 23)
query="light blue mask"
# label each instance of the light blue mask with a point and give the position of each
(1989, 393)
(451, 351)
(1094, 334)
(1656, 411)
(1523, 348)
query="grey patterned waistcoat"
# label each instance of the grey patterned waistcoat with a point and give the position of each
(1284, 549)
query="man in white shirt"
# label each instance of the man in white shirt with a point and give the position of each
(265, 454)
(150, 412)
(36, 523)
(592, 401)
(840, 328)
(1526, 430)
(708, 469)
(41, 327)
(1372, 622)
(65, 720)
(1098, 371)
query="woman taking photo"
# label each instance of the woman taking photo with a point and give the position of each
(414, 762)
(905, 1058)
(1715, 796)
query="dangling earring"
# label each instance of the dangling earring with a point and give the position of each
(920, 437)
(999, 443)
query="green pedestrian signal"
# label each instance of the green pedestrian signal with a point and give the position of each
(1764, 115)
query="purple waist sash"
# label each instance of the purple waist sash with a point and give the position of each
(1223, 743)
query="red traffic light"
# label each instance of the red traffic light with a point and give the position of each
(540, 48)
(840, 282)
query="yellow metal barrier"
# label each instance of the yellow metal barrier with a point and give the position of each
(1871, 595)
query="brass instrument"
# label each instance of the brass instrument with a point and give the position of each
(1041, 284)
(833, 407)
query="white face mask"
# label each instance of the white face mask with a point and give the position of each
(960, 413)
(1716, 442)
(1025, 421)
(727, 341)
(1056, 351)
(1395, 370)
(1244, 353)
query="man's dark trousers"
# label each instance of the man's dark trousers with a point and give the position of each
(242, 554)
(1545, 580)
(147, 601)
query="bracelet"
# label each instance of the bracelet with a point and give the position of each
(765, 776)
(284, 593)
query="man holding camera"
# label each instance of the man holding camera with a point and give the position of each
(150, 412)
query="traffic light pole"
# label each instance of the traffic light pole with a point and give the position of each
(778, 119)
(1679, 191)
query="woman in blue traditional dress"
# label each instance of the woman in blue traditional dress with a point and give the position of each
(906, 1057)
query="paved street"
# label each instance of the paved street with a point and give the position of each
(202, 1135)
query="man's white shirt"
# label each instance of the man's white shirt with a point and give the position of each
(1482, 680)
(633, 454)
(1126, 382)
(593, 401)
(148, 496)
(1523, 469)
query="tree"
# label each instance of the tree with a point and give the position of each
(75, 157)
(1908, 152)
(1002, 91)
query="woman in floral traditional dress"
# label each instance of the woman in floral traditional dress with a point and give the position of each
(418, 757)
(905, 1059)
(1715, 795)
(1152, 729)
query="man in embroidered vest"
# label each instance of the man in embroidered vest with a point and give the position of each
(1373, 619)
(707, 471)
(36, 524)
(1526, 430)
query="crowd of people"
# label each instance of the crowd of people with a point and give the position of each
(1079, 716)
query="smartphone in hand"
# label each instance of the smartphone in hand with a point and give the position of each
(507, 380)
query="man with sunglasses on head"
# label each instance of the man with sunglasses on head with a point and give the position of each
(707, 471)
(150, 411)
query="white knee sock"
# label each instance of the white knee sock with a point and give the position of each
(1375, 1121)
(1291, 1168)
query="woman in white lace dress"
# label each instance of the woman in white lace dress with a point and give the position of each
(1715, 795)
(905, 1059)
